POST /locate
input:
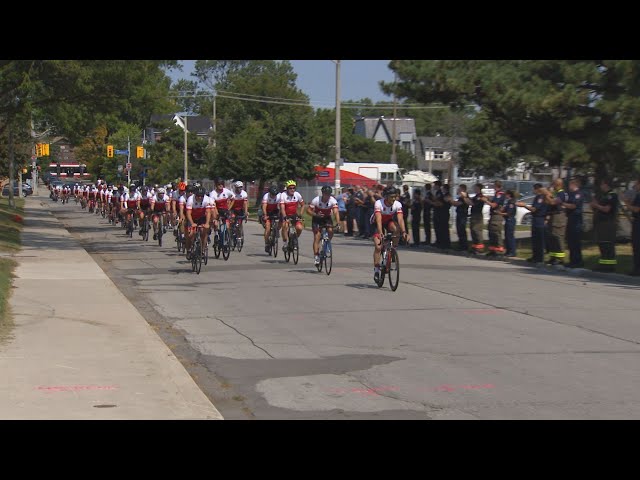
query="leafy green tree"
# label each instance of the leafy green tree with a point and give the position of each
(581, 113)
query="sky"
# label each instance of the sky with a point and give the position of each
(317, 78)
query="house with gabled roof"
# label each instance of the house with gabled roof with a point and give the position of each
(436, 153)
(201, 125)
(381, 129)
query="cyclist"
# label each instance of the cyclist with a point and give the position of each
(130, 202)
(240, 206)
(386, 213)
(175, 201)
(320, 209)
(160, 207)
(291, 208)
(197, 212)
(145, 206)
(223, 199)
(270, 213)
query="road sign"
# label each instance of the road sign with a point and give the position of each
(128, 166)
(122, 152)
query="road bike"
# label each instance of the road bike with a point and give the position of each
(389, 263)
(273, 237)
(325, 253)
(237, 234)
(199, 253)
(292, 245)
(222, 240)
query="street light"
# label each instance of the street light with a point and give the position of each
(179, 121)
(337, 184)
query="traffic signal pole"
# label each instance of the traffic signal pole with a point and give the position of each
(128, 162)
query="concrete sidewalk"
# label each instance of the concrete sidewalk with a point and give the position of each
(77, 348)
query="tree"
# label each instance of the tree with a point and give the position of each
(573, 113)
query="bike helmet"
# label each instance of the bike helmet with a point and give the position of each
(389, 191)
(327, 189)
(199, 192)
(218, 181)
(290, 183)
(182, 186)
(133, 188)
(162, 191)
(238, 184)
(273, 190)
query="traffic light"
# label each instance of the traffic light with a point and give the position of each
(139, 152)
(38, 149)
(110, 151)
(45, 149)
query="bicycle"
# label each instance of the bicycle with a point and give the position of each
(158, 227)
(222, 240)
(292, 245)
(273, 237)
(325, 252)
(199, 253)
(237, 238)
(144, 228)
(389, 263)
(180, 240)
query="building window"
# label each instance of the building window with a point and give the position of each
(438, 154)
(406, 146)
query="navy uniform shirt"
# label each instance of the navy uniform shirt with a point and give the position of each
(541, 211)
(462, 210)
(609, 198)
(576, 198)
(499, 199)
(477, 205)
(510, 209)
(636, 203)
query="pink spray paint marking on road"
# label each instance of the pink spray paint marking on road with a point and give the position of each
(76, 388)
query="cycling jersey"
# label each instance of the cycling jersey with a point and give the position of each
(159, 202)
(387, 211)
(222, 199)
(271, 202)
(318, 206)
(239, 199)
(198, 208)
(291, 202)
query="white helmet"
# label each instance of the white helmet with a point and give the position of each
(238, 184)
(162, 190)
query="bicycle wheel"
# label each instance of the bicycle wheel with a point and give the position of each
(240, 242)
(145, 226)
(383, 271)
(226, 245)
(394, 269)
(274, 245)
(216, 244)
(205, 255)
(198, 259)
(321, 256)
(295, 253)
(328, 262)
(287, 252)
(192, 256)
(159, 236)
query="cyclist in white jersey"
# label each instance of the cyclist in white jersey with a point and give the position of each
(321, 208)
(386, 212)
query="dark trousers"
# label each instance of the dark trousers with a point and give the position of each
(574, 238)
(537, 242)
(461, 230)
(360, 220)
(426, 219)
(445, 236)
(415, 230)
(605, 230)
(635, 243)
(510, 236)
(351, 216)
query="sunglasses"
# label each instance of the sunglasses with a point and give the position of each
(291, 188)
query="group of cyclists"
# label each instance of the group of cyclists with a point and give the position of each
(189, 208)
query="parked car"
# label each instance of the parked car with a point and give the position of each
(26, 190)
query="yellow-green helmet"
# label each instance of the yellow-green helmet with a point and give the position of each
(290, 183)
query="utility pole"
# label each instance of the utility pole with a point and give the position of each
(214, 120)
(337, 184)
(144, 158)
(185, 148)
(128, 161)
(12, 202)
(393, 124)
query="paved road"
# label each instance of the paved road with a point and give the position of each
(461, 338)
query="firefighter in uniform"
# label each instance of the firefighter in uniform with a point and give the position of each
(557, 223)
(462, 212)
(426, 213)
(476, 220)
(573, 209)
(634, 206)
(605, 210)
(538, 211)
(509, 214)
(496, 242)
